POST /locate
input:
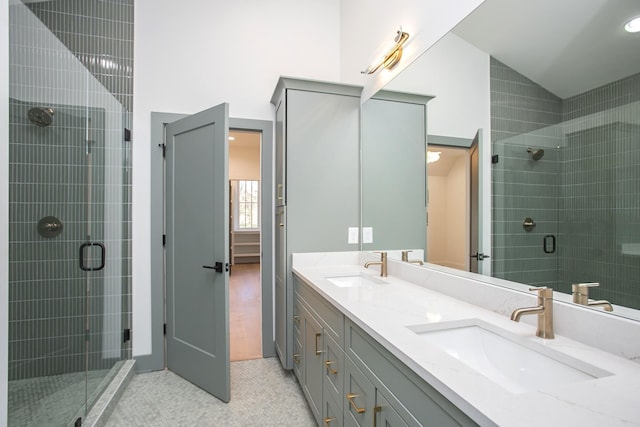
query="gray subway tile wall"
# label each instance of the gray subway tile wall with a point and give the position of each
(64, 59)
(585, 190)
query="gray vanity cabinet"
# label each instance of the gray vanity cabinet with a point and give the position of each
(317, 182)
(350, 379)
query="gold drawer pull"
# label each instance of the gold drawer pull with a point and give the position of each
(327, 421)
(350, 397)
(330, 371)
(296, 318)
(296, 357)
(376, 409)
(318, 352)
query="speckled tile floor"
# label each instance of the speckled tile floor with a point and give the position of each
(262, 394)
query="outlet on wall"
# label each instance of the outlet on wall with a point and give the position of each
(367, 234)
(353, 235)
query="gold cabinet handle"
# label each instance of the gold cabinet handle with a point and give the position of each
(330, 371)
(296, 357)
(376, 410)
(318, 352)
(350, 397)
(327, 421)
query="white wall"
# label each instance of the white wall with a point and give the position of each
(437, 228)
(457, 218)
(4, 206)
(368, 28)
(194, 54)
(244, 162)
(457, 74)
(448, 230)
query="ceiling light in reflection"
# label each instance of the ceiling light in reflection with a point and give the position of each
(433, 156)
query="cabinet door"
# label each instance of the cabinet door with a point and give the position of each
(297, 340)
(359, 395)
(331, 413)
(385, 415)
(280, 156)
(333, 373)
(312, 362)
(282, 302)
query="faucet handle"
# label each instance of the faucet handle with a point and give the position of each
(580, 291)
(584, 286)
(405, 255)
(543, 291)
(383, 254)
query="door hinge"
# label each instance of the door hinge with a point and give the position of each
(164, 149)
(164, 240)
(164, 329)
(126, 335)
(127, 135)
(494, 159)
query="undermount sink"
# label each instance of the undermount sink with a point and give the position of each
(356, 280)
(513, 362)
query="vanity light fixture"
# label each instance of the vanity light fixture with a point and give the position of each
(392, 57)
(633, 25)
(433, 156)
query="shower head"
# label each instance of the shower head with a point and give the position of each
(536, 153)
(41, 116)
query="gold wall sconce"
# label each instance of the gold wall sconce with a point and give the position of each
(393, 56)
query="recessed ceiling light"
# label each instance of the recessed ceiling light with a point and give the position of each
(433, 156)
(633, 25)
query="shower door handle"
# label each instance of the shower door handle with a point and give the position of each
(545, 245)
(83, 246)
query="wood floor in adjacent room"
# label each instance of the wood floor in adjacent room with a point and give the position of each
(245, 312)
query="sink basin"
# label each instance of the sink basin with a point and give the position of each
(355, 281)
(513, 362)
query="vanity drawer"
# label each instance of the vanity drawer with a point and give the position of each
(412, 397)
(332, 319)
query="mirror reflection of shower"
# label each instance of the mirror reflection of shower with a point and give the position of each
(41, 116)
(535, 153)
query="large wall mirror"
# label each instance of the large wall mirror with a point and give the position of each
(551, 90)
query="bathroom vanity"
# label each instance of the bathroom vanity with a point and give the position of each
(431, 346)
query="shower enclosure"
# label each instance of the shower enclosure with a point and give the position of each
(567, 201)
(69, 212)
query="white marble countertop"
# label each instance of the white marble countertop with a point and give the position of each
(385, 311)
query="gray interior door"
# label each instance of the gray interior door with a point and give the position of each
(197, 249)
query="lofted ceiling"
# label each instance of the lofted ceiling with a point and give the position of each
(566, 46)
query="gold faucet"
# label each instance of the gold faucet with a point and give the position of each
(544, 310)
(405, 258)
(580, 293)
(382, 263)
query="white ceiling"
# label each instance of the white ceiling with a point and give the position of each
(566, 46)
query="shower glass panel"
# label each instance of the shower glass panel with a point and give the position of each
(585, 191)
(69, 230)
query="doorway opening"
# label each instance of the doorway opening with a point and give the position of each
(245, 295)
(449, 171)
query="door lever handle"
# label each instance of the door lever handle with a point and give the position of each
(218, 267)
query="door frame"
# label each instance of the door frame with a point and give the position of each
(156, 360)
